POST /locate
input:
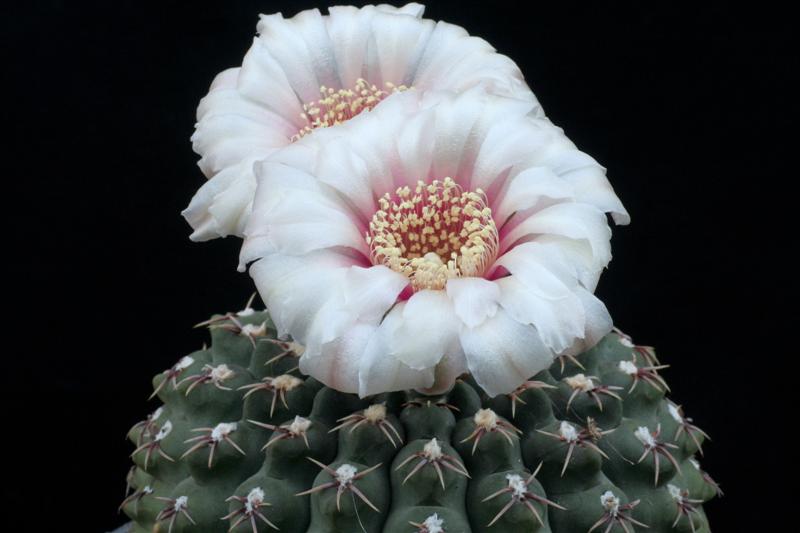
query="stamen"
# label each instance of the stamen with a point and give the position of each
(433, 232)
(336, 106)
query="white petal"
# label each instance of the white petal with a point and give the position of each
(598, 322)
(589, 182)
(502, 353)
(222, 205)
(395, 47)
(294, 214)
(263, 80)
(576, 221)
(429, 329)
(301, 46)
(559, 321)
(296, 288)
(474, 299)
(338, 362)
(531, 188)
(381, 371)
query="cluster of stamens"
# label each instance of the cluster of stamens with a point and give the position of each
(338, 105)
(250, 509)
(433, 455)
(433, 232)
(343, 480)
(585, 438)
(487, 421)
(374, 415)
(518, 488)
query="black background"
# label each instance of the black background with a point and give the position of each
(688, 107)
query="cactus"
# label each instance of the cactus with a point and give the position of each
(244, 442)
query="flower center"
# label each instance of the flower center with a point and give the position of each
(336, 106)
(433, 232)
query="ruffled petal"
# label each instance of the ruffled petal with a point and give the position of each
(474, 299)
(429, 330)
(580, 222)
(383, 372)
(221, 206)
(502, 353)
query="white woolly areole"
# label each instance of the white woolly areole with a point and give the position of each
(222, 430)
(181, 503)
(375, 413)
(695, 463)
(432, 450)
(645, 437)
(147, 489)
(486, 419)
(628, 367)
(296, 348)
(625, 341)
(345, 474)
(517, 486)
(221, 372)
(246, 312)
(254, 499)
(252, 330)
(433, 524)
(157, 413)
(610, 502)
(580, 381)
(675, 492)
(164, 431)
(185, 362)
(568, 432)
(675, 412)
(286, 382)
(299, 425)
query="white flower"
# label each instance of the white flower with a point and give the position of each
(439, 234)
(315, 70)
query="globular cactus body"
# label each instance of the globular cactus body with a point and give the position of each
(244, 442)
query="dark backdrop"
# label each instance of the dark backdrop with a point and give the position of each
(688, 108)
